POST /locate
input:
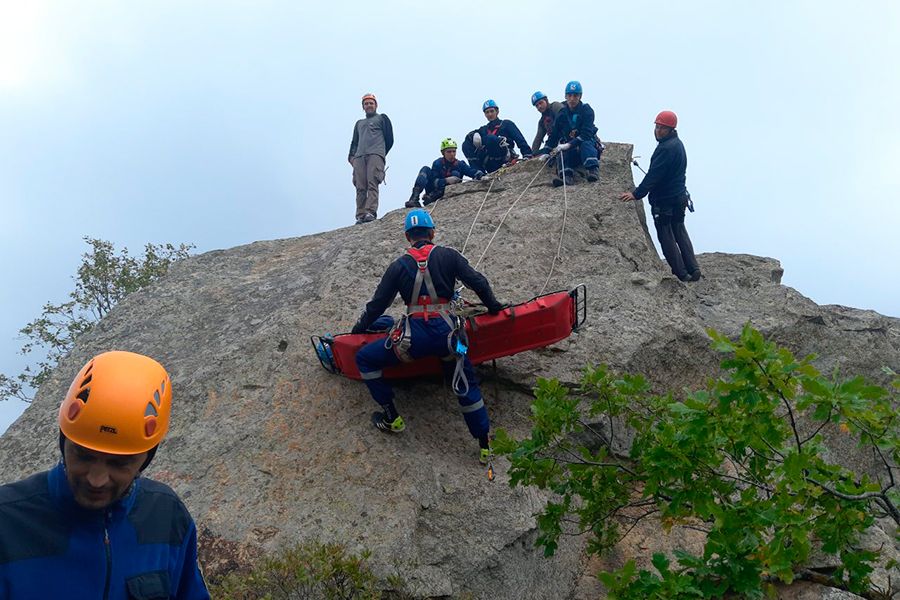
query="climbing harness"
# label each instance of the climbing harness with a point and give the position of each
(400, 337)
(689, 204)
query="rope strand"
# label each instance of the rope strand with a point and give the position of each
(563, 230)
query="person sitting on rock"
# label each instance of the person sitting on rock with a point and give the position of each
(665, 183)
(92, 527)
(575, 136)
(548, 111)
(425, 277)
(444, 171)
(491, 146)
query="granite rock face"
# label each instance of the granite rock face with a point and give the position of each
(266, 448)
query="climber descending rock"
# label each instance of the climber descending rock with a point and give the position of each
(434, 334)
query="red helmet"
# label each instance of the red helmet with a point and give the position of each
(667, 118)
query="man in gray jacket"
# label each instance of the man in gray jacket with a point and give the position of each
(548, 111)
(372, 140)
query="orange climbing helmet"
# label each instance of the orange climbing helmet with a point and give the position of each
(370, 96)
(119, 403)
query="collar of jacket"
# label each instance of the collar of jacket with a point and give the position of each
(62, 497)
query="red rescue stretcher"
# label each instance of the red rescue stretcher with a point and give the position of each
(541, 321)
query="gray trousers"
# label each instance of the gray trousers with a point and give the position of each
(368, 172)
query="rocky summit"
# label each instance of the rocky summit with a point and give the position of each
(266, 448)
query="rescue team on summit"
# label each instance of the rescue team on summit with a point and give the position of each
(93, 527)
(566, 137)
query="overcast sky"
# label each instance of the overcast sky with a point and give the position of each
(221, 123)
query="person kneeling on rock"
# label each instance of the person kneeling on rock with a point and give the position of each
(425, 277)
(443, 172)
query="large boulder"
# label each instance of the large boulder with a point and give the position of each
(266, 448)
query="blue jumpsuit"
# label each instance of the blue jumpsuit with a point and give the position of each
(434, 179)
(497, 137)
(576, 126)
(429, 337)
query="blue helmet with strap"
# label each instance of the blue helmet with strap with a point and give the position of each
(418, 218)
(489, 104)
(573, 87)
(537, 97)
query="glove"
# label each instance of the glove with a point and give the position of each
(476, 140)
(494, 310)
(478, 175)
(451, 180)
(563, 147)
(543, 157)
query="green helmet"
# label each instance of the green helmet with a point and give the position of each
(447, 144)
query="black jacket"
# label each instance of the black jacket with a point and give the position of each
(665, 179)
(445, 264)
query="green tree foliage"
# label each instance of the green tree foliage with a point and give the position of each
(309, 571)
(104, 277)
(742, 460)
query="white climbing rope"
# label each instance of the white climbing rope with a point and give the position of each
(562, 232)
(508, 210)
(475, 220)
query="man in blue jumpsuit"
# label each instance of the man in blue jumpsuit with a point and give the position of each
(425, 276)
(575, 138)
(444, 171)
(491, 146)
(665, 183)
(91, 527)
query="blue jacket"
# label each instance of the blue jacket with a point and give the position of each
(665, 179)
(574, 126)
(507, 129)
(445, 264)
(442, 169)
(142, 547)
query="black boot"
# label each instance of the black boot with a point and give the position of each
(593, 174)
(563, 177)
(413, 201)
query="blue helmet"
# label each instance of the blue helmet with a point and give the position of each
(573, 87)
(537, 97)
(418, 218)
(489, 104)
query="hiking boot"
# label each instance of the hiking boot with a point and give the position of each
(379, 420)
(593, 174)
(360, 220)
(428, 199)
(369, 218)
(413, 201)
(561, 179)
(695, 276)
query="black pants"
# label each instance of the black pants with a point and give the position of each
(674, 239)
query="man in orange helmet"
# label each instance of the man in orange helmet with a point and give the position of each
(373, 137)
(665, 183)
(91, 527)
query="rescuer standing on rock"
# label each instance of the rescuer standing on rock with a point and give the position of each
(665, 182)
(91, 527)
(373, 137)
(445, 171)
(425, 276)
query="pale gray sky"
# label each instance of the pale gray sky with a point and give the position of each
(221, 123)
